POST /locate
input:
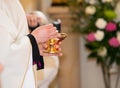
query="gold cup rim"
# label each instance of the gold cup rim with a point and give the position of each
(63, 35)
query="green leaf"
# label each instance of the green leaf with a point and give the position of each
(92, 55)
(118, 61)
(110, 14)
(93, 45)
(99, 60)
(112, 60)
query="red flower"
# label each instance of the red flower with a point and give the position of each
(91, 37)
(114, 42)
(111, 27)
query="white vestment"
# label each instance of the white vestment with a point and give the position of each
(15, 46)
(29, 81)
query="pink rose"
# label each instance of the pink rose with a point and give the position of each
(91, 37)
(114, 42)
(111, 27)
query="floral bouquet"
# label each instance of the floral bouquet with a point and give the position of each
(102, 31)
(96, 20)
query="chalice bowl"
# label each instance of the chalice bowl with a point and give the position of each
(51, 44)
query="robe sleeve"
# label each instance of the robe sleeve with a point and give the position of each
(37, 58)
(15, 53)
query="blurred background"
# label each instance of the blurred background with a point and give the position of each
(75, 70)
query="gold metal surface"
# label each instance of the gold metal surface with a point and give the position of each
(51, 44)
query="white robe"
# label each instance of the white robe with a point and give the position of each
(15, 47)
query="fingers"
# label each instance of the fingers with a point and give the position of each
(32, 20)
(51, 54)
(60, 54)
(44, 47)
(47, 26)
(59, 50)
(54, 33)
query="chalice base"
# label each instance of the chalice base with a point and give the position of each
(52, 51)
(52, 42)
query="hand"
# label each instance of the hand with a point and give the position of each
(44, 33)
(43, 46)
(33, 20)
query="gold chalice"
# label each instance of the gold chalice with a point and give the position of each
(51, 44)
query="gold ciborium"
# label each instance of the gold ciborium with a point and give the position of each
(51, 44)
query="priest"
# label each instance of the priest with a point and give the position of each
(19, 49)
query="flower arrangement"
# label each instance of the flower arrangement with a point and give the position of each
(96, 19)
(102, 31)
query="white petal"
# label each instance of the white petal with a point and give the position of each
(90, 10)
(101, 23)
(99, 35)
(102, 51)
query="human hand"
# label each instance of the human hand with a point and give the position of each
(44, 33)
(33, 20)
(43, 47)
(36, 19)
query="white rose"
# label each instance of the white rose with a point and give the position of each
(102, 51)
(106, 1)
(118, 36)
(90, 10)
(101, 23)
(99, 35)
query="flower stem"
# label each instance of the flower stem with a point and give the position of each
(118, 77)
(104, 75)
(109, 76)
